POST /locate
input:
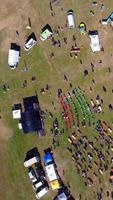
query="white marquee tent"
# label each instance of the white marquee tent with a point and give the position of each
(51, 172)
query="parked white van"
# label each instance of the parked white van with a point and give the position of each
(41, 191)
(71, 19)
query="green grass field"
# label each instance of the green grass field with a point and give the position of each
(14, 181)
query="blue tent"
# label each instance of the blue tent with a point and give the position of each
(48, 158)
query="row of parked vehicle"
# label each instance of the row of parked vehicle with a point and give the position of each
(14, 51)
(37, 174)
(46, 32)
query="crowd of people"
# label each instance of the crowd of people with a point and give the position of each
(92, 152)
(92, 157)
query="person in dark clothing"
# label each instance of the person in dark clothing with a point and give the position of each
(65, 78)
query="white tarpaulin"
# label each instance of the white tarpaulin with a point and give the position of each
(16, 114)
(95, 46)
(51, 172)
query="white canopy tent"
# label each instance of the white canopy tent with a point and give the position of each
(16, 114)
(51, 172)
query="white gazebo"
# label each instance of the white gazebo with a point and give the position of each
(16, 114)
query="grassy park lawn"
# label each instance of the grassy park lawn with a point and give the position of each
(14, 182)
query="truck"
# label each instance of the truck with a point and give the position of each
(71, 19)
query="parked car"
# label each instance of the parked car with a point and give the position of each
(32, 175)
(39, 182)
(82, 28)
(41, 191)
(39, 171)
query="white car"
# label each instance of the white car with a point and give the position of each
(41, 191)
(38, 183)
(32, 176)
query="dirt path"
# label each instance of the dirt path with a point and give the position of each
(5, 132)
(15, 17)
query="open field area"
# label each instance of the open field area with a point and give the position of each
(14, 180)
